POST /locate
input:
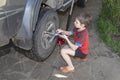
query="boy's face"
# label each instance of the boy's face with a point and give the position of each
(78, 24)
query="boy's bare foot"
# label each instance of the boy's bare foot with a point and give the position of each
(82, 59)
(66, 69)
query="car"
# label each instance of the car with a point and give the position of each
(26, 23)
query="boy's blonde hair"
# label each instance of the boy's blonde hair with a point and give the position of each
(84, 18)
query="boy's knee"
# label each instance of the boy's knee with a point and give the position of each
(63, 51)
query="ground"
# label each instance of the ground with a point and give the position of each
(102, 63)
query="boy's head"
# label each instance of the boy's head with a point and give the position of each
(82, 20)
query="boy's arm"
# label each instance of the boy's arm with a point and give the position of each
(74, 47)
(68, 33)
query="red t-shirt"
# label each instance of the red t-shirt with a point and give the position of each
(82, 38)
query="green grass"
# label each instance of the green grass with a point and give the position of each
(109, 23)
(106, 30)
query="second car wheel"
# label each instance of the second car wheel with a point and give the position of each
(42, 44)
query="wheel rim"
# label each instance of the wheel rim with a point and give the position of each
(46, 38)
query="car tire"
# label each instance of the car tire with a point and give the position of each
(48, 22)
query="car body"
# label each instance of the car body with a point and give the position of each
(21, 21)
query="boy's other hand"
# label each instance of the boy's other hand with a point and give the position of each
(64, 36)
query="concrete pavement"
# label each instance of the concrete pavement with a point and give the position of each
(102, 63)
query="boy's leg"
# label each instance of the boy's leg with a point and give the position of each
(66, 52)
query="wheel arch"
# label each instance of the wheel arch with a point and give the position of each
(23, 38)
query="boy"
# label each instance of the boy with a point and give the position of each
(79, 49)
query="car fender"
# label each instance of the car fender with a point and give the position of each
(23, 38)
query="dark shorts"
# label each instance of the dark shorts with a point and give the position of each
(78, 53)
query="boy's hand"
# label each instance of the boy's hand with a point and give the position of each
(59, 30)
(64, 36)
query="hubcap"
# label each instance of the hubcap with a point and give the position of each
(46, 38)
